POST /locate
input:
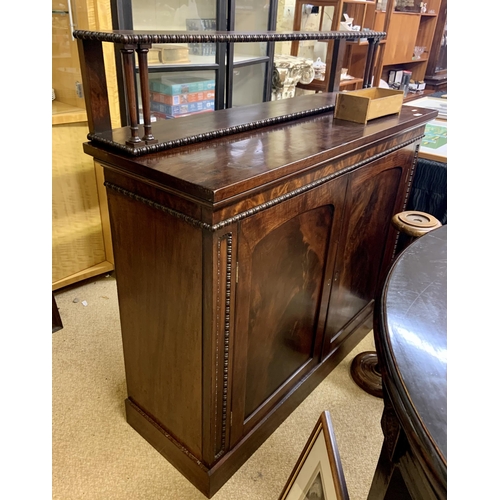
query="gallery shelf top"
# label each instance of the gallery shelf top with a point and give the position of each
(147, 37)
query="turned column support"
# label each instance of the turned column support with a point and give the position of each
(370, 63)
(339, 48)
(142, 54)
(127, 52)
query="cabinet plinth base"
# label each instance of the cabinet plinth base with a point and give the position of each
(178, 456)
(210, 479)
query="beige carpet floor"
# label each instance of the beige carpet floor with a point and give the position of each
(97, 455)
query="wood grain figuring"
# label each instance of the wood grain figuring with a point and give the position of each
(77, 239)
(285, 260)
(94, 81)
(198, 128)
(257, 201)
(163, 363)
(96, 15)
(287, 271)
(374, 194)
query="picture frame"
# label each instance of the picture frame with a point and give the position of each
(318, 473)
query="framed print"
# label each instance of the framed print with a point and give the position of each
(318, 473)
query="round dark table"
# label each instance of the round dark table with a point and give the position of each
(410, 336)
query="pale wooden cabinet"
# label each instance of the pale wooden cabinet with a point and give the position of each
(81, 245)
(325, 15)
(406, 28)
(81, 239)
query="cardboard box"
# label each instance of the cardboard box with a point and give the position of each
(366, 104)
(173, 53)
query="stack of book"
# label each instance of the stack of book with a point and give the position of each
(175, 97)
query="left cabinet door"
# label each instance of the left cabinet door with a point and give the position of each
(285, 261)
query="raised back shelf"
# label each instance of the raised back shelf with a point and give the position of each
(142, 139)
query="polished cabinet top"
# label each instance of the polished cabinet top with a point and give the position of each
(413, 341)
(222, 167)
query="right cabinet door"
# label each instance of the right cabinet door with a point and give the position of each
(374, 194)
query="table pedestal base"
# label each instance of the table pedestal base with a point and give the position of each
(365, 372)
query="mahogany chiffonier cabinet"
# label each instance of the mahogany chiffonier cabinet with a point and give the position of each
(249, 243)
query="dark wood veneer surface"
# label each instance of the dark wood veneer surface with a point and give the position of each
(416, 312)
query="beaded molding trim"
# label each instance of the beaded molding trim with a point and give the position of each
(407, 194)
(138, 38)
(225, 307)
(206, 136)
(162, 431)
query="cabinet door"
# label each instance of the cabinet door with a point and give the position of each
(285, 262)
(374, 194)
